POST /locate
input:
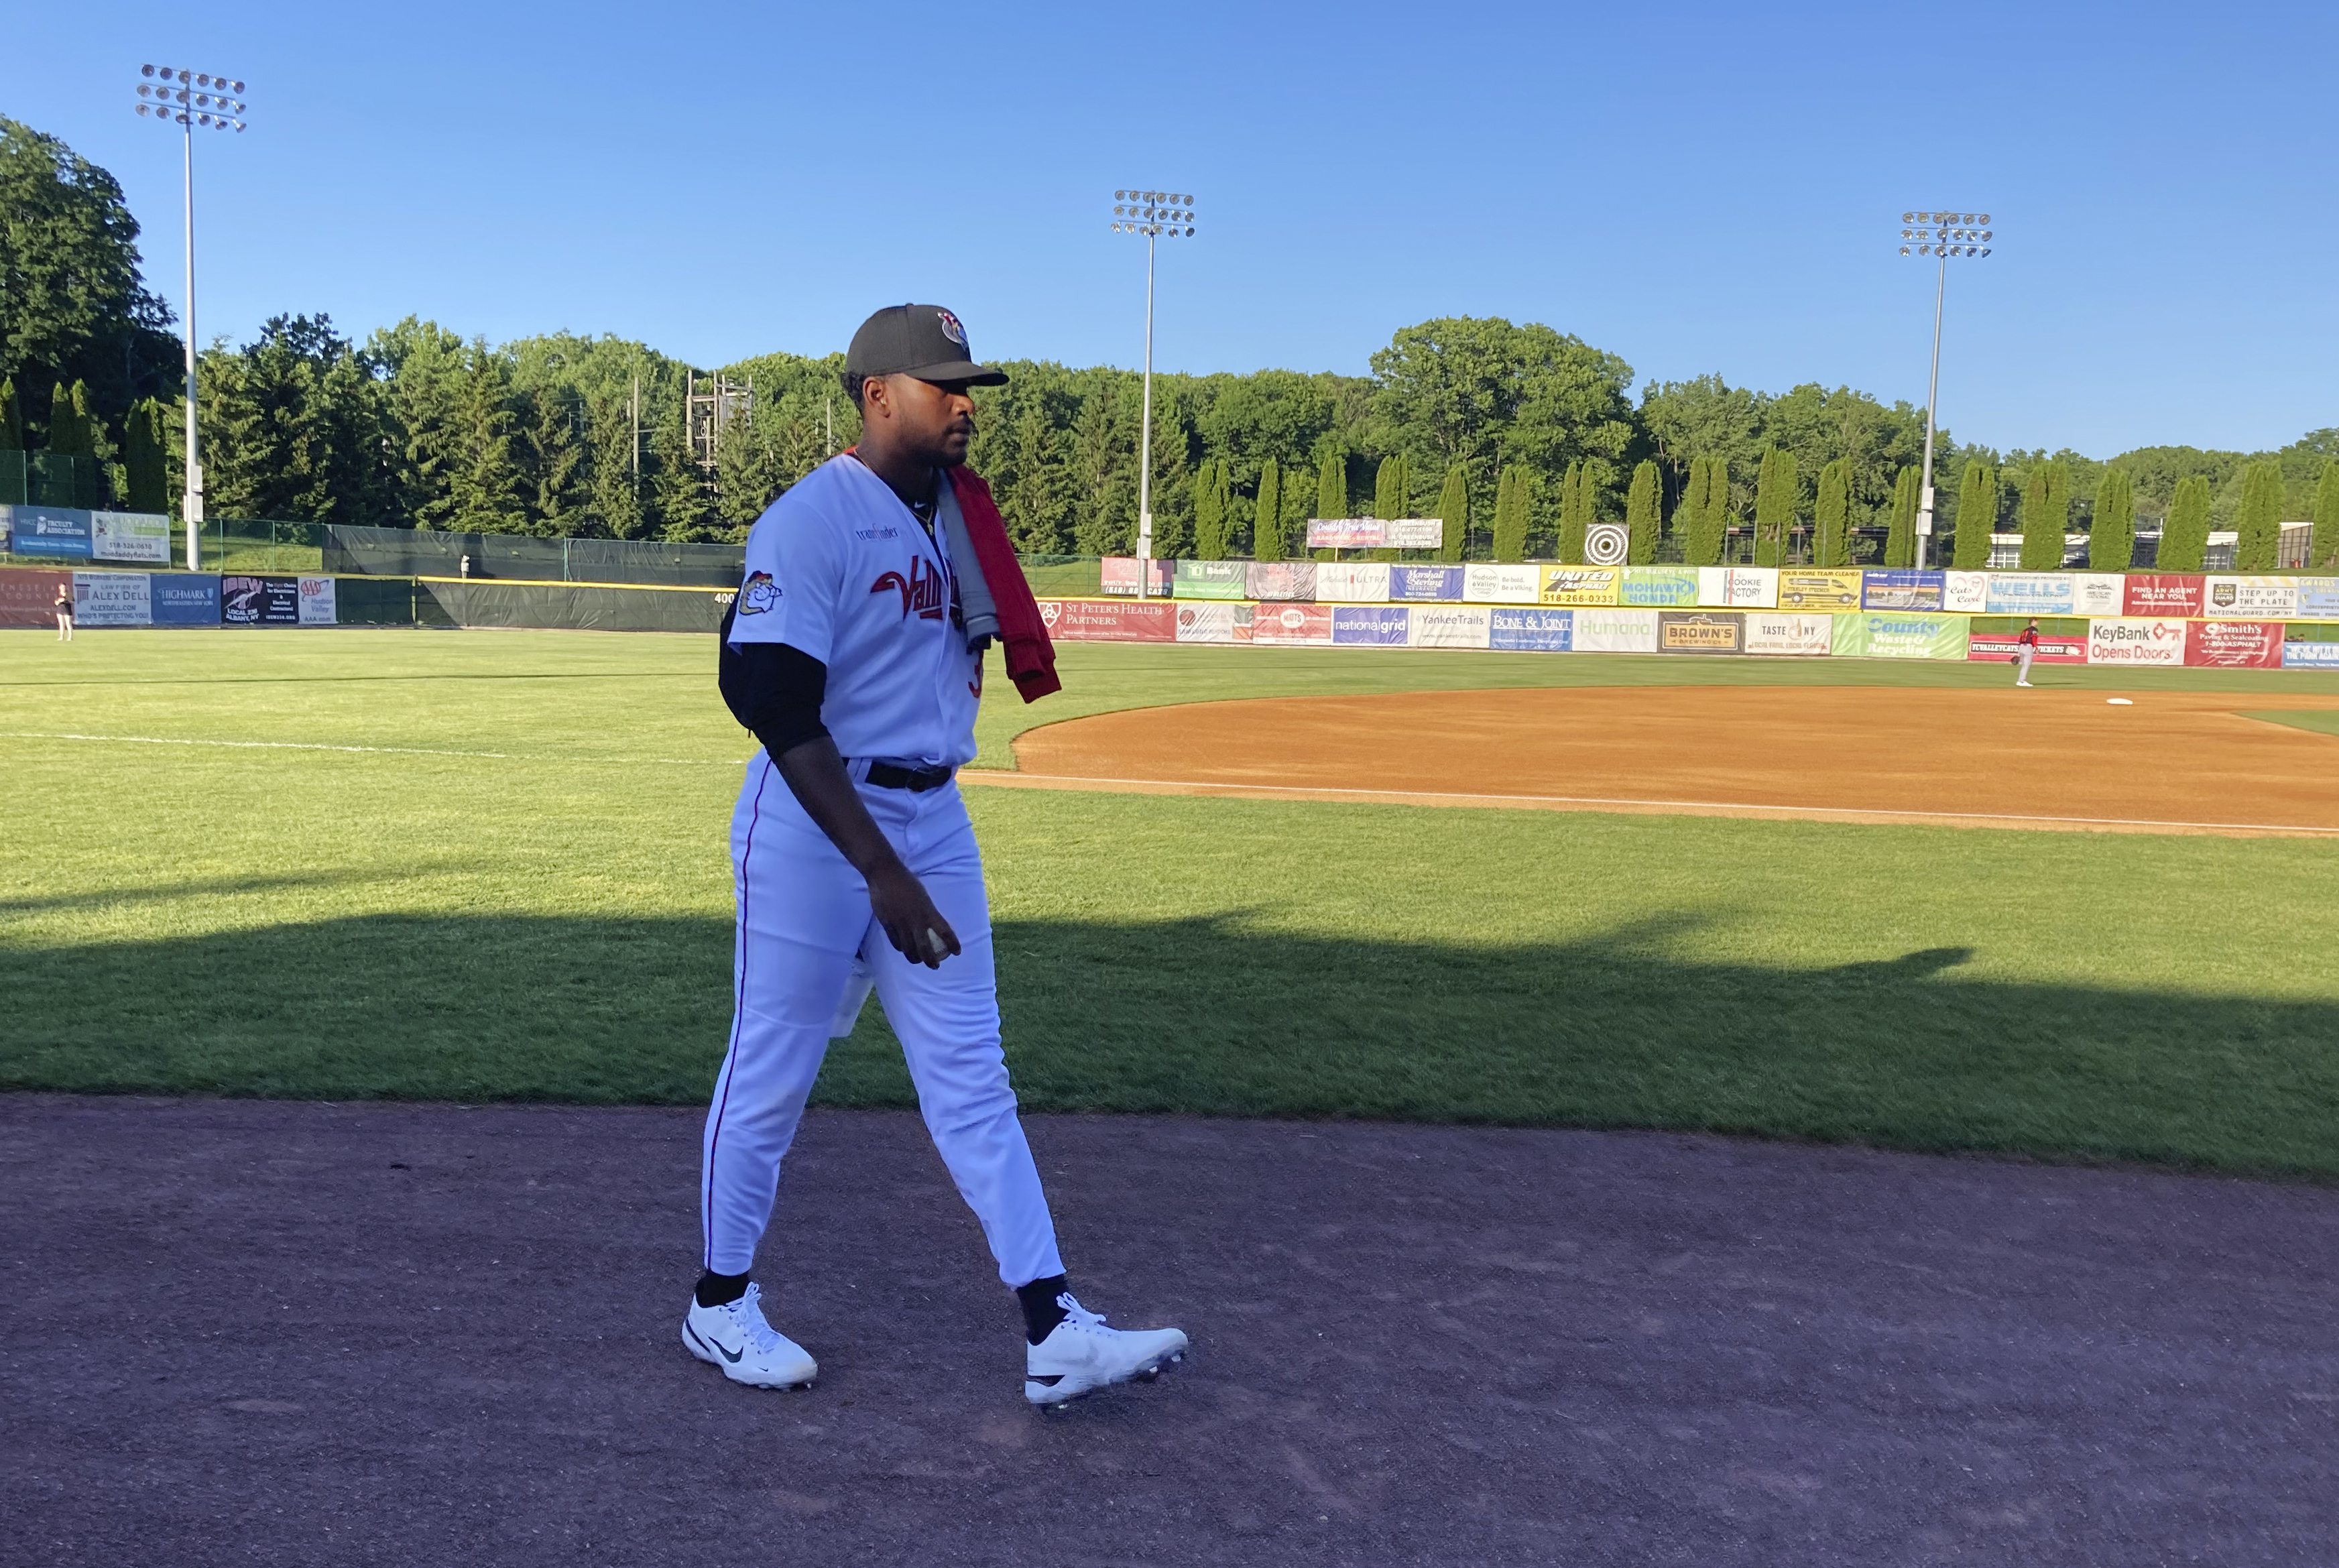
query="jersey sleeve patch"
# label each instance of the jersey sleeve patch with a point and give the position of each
(758, 594)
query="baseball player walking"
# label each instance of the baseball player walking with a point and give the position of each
(854, 654)
(2025, 648)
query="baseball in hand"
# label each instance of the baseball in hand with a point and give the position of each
(934, 941)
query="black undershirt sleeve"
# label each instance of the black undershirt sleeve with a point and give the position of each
(773, 690)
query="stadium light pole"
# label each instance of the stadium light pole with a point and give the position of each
(1153, 213)
(191, 100)
(1941, 235)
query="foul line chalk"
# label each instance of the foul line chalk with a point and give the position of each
(1310, 790)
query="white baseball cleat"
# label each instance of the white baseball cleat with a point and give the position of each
(1080, 1356)
(735, 1337)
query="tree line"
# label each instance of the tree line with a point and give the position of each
(1518, 435)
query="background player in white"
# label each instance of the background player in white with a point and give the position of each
(852, 656)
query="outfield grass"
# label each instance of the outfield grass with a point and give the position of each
(552, 921)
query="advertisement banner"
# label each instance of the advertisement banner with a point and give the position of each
(1346, 533)
(1291, 623)
(1102, 620)
(1801, 636)
(1374, 534)
(1352, 582)
(1372, 626)
(184, 598)
(2233, 644)
(60, 532)
(1895, 634)
(2029, 593)
(29, 599)
(260, 601)
(1209, 580)
(1659, 587)
(1900, 589)
(1207, 623)
(2318, 599)
(1283, 581)
(1998, 648)
(1451, 626)
(1964, 593)
(1739, 588)
(2251, 598)
(130, 536)
(1701, 632)
(2162, 594)
(1600, 631)
(1118, 576)
(317, 606)
(2130, 640)
(2099, 594)
(1569, 585)
(1425, 584)
(1828, 590)
(112, 600)
(2310, 655)
(1532, 630)
(1503, 585)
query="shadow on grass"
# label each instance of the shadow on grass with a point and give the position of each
(1202, 1016)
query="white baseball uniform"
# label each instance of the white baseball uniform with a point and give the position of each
(839, 569)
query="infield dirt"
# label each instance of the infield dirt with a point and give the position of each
(2168, 762)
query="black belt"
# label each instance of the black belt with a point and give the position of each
(917, 780)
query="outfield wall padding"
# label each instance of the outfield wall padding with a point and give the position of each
(567, 607)
(424, 553)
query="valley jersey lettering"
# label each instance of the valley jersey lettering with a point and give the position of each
(840, 570)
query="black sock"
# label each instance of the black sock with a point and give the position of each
(721, 1289)
(1041, 1313)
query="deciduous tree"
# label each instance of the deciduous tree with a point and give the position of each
(73, 306)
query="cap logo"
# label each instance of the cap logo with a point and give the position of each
(951, 329)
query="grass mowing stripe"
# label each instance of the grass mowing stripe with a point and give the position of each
(382, 750)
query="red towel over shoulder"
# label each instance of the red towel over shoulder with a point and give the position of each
(1031, 656)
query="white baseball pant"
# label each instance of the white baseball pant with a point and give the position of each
(2022, 657)
(805, 939)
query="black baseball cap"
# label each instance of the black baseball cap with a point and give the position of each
(922, 340)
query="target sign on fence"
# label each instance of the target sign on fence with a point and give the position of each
(1604, 544)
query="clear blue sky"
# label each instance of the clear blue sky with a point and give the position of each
(1696, 187)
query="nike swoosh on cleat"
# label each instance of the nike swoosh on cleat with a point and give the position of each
(1047, 1380)
(731, 1355)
